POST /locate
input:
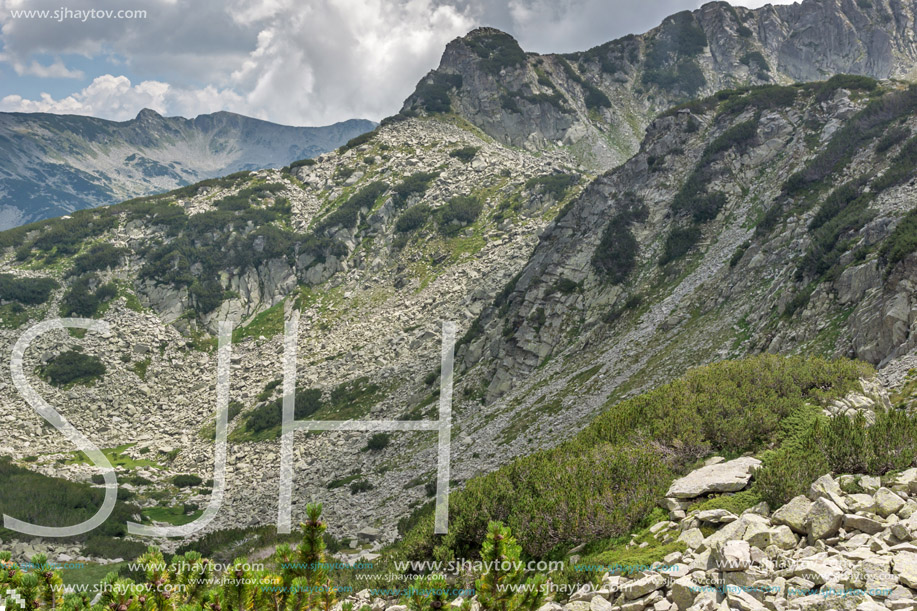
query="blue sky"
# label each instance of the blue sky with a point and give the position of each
(288, 61)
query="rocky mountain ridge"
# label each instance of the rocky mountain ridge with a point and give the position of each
(598, 102)
(54, 164)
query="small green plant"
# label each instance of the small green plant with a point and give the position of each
(465, 154)
(378, 442)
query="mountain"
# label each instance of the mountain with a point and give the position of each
(54, 164)
(761, 218)
(599, 102)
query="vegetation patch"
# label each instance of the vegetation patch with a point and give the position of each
(616, 254)
(603, 482)
(73, 367)
(412, 185)
(26, 291)
(49, 501)
(465, 154)
(555, 185)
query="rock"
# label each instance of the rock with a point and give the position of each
(826, 487)
(733, 556)
(904, 566)
(599, 604)
(739, 599)
(728, 476)
(643, 586)
(794, 514)
(782, 536)
(862, 524)
(369, 534)
(824, 519)
(692, 537)
(716, 516)
(870, 483)
(683, 592)
(860, 502)
(887, 502)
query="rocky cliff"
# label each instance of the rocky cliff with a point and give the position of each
(599, 102)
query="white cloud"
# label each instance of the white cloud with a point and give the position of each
(56, 69)
(288, 61)
(114, 97)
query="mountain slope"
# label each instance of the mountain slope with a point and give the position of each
(770, 218)
(54, 164)
(599, 102)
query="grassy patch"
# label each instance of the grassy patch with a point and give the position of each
(265, 324)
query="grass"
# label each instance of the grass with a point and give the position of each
(733, 503)
(265, 324)
(117, 457)
(140, 368)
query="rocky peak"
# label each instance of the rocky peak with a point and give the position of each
(596, 103)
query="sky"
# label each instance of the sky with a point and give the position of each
(294, 62)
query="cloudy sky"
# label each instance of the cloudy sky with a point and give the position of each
(297, 62)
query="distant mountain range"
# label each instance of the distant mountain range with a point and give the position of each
(54, 164)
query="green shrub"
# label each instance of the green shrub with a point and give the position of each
(893, 136)
(458, 212)
(357, 141)
(735, 503)
(187, 481)
(27, 291)
(348, 214)
(497, 51)
(901, 169)
(432, 92)
(465, 153)
(866, 125)
(415, 184)
(762, 97)
(99, 257)
(679, 241)
(72, 367)
(902, 241)
(307, 401)
(754, 59)
(855, 82)
(379, 441)
(616, 254)
(817, 445)
(360, 486)
(605, 480)
(555, 185)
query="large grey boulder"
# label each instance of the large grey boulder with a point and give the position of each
(824, 519)
(887, 502)
(793, 514)
(729, 476)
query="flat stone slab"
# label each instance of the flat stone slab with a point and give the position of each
(728, 476)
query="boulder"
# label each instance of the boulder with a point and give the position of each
(904, 566)
(826, 487)
(716, 516)
(643, 586)
(863, 524)
(793, 514)
(824, 519)
(733, 555)
(729, 476)
(887, 502)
